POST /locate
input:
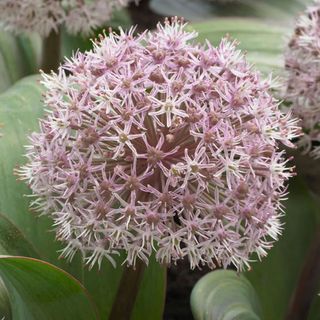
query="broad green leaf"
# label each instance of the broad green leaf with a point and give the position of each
(39, 290)
(19, 56)
(282, 12)
(276, 276)
(5, 305)
(263, 43)
(147, 306)
(12, 241)
(103, 284)
(189, 9)
(20, 108)
(150, 299)
(225, 295)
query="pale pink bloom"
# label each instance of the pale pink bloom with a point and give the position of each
(156, 144)
(303, 71)
(44, 16)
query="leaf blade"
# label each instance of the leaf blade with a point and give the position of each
(223, 294)
(44, 291)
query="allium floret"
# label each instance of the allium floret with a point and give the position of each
(303, 87)
(155, 144)
(44, 16)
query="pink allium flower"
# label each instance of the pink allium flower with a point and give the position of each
(155, 144)
(303, 87)
(44, 16)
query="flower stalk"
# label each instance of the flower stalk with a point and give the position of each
(308, 283)
(51, 52)
(127, 291)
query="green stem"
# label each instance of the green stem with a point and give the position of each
(143, 16)
(127, 292)
(307, 286)
(51, 52)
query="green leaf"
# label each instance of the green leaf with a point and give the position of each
(20, 108)
(151, 297)
(39, 290)
(19, 57)
(12, 241)
(225, 295)
(282, 12)
(264, 43)
(276, 276)
(5, 305)
(189, 9)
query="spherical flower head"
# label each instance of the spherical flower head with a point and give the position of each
(303, 70)
(155, 144)
(44, 16)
